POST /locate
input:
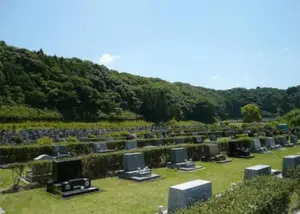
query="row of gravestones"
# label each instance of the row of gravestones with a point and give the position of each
(58, 135)
(67, 179)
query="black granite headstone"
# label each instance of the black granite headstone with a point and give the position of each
(65, 170)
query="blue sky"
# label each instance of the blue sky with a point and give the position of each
(213, 43)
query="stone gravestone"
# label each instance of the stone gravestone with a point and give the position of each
(270, 142)
(213, 137)
(179, 140)
(67, 179)
(130, 145)
(134, 168)
(179, 160)
(255, 147)
(294, 139)
(186, 194)
(290, 162)
(61, 151)
(253, 171)
(2, 210)
(197, 139)
(100, 147)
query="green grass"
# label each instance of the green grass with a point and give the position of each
(123, 196)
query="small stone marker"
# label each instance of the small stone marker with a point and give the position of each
(2, 210)
(186, 194)
(290, 162)
(133, 161)
(294, 139)
(178, 155)
(253, 171)
(130, 145)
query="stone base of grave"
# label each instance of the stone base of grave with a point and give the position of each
(243, 156)
(224, 161)
(275, 172)
(182, 167)
(4, 166)
(133, 175)
(289, 145)
(30, 178)
(77, 187)
(105, 151)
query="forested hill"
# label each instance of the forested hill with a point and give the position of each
(81, 90)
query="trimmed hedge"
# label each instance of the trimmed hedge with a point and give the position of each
(262, 195)
(24, 153)
(106, 164)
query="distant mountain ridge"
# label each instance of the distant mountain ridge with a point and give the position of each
(82, 90)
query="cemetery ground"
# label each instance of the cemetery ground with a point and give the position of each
(122, 196)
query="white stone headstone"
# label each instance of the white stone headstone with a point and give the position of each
(186, 194)
(2, 210)
(253, 171)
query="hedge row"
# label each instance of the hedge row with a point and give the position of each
(24, 153)
(106, 164)
(262, 195)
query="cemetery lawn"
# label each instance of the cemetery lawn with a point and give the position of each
(123, 196)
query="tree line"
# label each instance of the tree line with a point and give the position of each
(72, 89)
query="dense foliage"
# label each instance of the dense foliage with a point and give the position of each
(251, 113)
(264, 194)
(81, 90)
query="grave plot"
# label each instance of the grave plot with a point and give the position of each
(197, 139)
(211, 152)
(59, 151)
(134, 168)
(67, 179)
(186, 194)
(101, 147)
(179, 160)
(255, 147)
(253, 171)
(179, 141)
(289, 162)
(238, 151)
(129, 145)
(213, 138)
(270, 142)
(283, 142)
(294, 139)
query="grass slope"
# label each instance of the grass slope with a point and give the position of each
(122, 196)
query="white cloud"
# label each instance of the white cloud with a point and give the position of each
(261, 53)
(107, 59)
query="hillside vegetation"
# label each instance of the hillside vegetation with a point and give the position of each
(35, 86)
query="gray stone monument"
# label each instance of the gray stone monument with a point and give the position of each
(253, 171)
(179, 160)
(2, 210)
(135, 169)
(100, 147)
(290, 162)
(213, 137)
(294, 139)
(270, 142)
(130, 145)
(179, 141)
(186, 194)
(255, 147)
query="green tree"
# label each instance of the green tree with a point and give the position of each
(251, 113)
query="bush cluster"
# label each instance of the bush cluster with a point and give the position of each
(262, 195)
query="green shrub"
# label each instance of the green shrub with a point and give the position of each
(91, 135)
(262, 195)
(72, 139)
(44, 141)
